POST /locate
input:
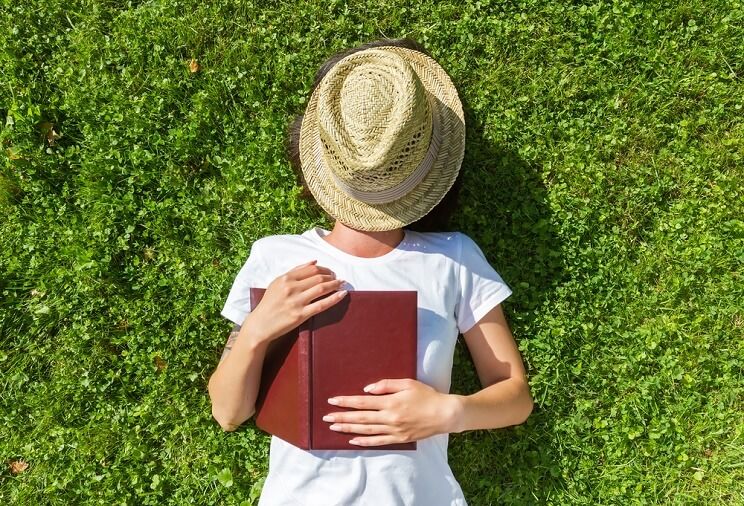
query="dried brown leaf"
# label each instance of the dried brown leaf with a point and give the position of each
(159, 363)
(18, 466)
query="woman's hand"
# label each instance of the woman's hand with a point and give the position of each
(287, 301)
(412, 410)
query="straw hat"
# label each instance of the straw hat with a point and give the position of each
(382, 138)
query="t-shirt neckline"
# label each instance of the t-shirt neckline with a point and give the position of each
(317, 234)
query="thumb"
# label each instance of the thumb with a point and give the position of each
(388, 386)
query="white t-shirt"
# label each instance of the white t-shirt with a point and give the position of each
(456, 287)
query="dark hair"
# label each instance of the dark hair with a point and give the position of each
(435, 220)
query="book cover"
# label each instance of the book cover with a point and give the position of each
(367, 336)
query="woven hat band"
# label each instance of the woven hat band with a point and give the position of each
(414, 178)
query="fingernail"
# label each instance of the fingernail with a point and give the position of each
(328, 418)
(354, 441)
(335, 427)
(369, 387)
(332, 400)
(341, 293)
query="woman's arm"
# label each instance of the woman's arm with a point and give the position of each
(287, 302)
(505, 399)
(414, 410)
(233, 387)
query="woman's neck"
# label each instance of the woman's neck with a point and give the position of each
(364, 244)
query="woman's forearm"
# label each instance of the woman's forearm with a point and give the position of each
(502, 404)
(233, 386)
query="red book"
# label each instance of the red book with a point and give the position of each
(367, 336)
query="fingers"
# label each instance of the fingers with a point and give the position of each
(302, 271)
(360, 428)
(324, 303)
(391, 385)
(358, 402)
(313, 280)
(376, 440)
(318, 290)
(358, 416)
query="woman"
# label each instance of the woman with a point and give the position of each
(379, 148)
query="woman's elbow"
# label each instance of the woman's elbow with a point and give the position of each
(226, 425)
(229, 419)
(229, 422)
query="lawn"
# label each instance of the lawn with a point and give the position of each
(142, 152)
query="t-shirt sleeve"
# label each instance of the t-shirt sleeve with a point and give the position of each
(481, 287)
(252, 274)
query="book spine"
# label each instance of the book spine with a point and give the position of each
(305, 379)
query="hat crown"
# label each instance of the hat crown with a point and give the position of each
(374, 119)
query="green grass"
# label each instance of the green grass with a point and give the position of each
(603, 179)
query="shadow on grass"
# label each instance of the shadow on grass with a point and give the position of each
(504, 209)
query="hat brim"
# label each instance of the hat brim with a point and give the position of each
(427, 194)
